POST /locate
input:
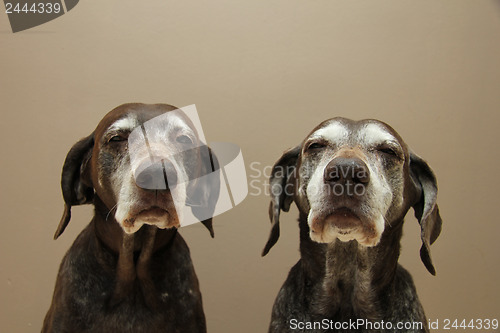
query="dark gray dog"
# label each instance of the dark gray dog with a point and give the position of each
(353, 183)
(130, 270)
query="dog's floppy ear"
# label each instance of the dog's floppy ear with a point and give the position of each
(204, 195)
(426, 208)
(282, 187)
(76, 184)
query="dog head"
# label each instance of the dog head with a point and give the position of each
(353, 180)
(140, 181)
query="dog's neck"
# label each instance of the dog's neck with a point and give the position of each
(134, 253)
(353, 276)
(110, 233)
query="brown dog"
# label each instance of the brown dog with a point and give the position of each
(353, 183)
(130, 270)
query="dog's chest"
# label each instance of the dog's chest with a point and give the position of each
(177, 299)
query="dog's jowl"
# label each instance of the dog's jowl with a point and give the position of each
(130, 270)
(353, 183)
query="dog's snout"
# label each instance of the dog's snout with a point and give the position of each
(158, 175)
(342, 170)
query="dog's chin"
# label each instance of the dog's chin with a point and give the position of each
(155, 216)
(343, 224)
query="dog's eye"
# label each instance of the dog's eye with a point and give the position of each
(388, 151)
(315, 145)
(184, 139)
(117, 138)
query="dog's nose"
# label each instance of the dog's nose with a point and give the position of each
(159, 175)
(342, 170)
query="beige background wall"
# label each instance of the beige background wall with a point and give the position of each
(262, 74)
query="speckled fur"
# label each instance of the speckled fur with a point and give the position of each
(86, 281)
(344, 281)
(341, 282)
(109, 280)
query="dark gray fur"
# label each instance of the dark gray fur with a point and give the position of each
(110, 281)
(343, 281)
(86, 282)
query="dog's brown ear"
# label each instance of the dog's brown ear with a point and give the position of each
(282, 188)
(76, 184)
(203, 196)
(426, 208)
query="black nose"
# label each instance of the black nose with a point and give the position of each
(343, 171)
(159, 175)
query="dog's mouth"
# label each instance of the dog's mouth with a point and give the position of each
(344, 224)
(154, 215)
(343, 219)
